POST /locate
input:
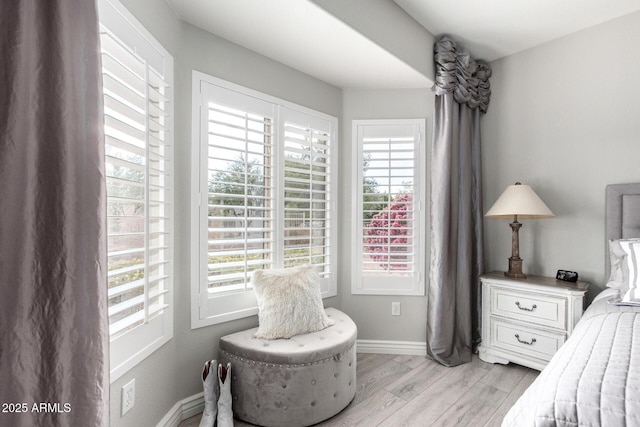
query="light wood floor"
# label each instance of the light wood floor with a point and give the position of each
(414, 391)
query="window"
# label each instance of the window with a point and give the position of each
(389, 209)
(137, 79)
(263, 189)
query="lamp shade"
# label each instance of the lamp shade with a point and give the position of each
(519, 200)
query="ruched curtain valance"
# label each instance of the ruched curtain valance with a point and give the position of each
(458, 73)
(456, 260)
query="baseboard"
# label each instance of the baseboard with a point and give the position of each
(411, 348)
(182, 410)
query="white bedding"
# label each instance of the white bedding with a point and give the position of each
(594, 379)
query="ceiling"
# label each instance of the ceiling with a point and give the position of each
(304, 36)
(496, 28)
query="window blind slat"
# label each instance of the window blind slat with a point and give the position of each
(121, 108)
(120, 69)
(117, 149)
(115, 328)
(136, 134)
(124, 288)
(115, 48)
(121, 91)
(157, 96)
(125, 305)
(249, 242)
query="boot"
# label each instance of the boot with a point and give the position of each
(225, 410)
(211, 392)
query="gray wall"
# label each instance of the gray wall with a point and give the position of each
(172, 373)
(565, 118)
(372, 313)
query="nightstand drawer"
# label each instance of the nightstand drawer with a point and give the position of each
(529, 307)
(524, 340)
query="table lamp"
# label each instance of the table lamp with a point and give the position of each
(518, 201)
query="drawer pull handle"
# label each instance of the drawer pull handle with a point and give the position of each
(533, 340)
(533, 307)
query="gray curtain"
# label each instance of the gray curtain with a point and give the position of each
(53, 295)
(453, 299)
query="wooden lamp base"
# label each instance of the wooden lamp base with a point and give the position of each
(515, 268)
(515, 262)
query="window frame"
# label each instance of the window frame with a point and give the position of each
(131, 347)
(228, 305)
(386, 285)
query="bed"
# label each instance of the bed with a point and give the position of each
(594, 378)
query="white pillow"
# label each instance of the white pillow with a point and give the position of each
(289, 302)
(619, 276)
(632, 261)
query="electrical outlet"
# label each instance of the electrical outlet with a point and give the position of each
(395, 309)
(128, 396)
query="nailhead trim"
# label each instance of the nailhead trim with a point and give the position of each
(293, 365)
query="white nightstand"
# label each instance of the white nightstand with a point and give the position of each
(525, 321)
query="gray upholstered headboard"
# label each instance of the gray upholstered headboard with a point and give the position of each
(622, 215)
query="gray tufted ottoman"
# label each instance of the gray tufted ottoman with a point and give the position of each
(296, 382)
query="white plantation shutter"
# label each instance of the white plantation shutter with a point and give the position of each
(240, 191)
(307, 185)
(389, 208)
(137, 117)
(264, 186)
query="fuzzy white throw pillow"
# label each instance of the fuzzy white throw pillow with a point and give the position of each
(289, 302)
